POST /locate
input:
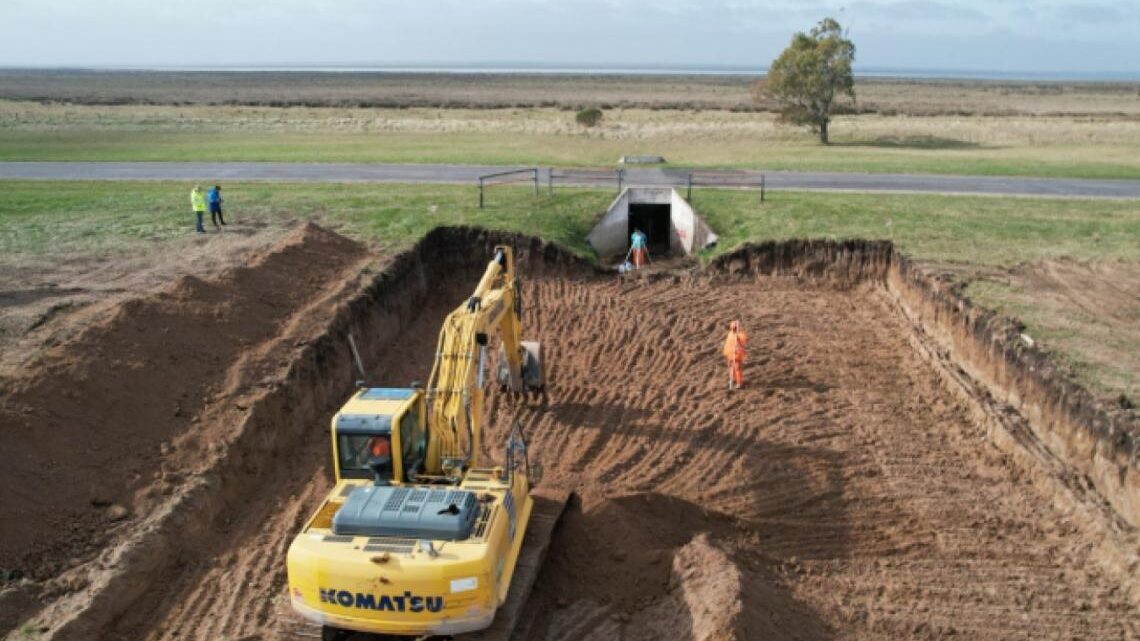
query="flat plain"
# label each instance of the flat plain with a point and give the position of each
(952, 127)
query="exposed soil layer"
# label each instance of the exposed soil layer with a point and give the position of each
(854, 489)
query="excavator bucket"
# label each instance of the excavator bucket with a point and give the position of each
(534, 375)
(533, 371)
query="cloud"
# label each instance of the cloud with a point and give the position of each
(1042, 34)
(917, 10)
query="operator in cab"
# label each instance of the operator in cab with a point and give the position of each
(367, 456)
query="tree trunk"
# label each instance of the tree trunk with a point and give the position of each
(823, 132)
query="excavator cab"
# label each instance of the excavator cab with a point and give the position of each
(380, 435)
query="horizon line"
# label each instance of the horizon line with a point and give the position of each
(608, 68)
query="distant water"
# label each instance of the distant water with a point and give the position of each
(615, 69)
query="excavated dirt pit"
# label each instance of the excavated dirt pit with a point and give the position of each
(845, 493)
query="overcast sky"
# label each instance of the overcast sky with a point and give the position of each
(998, 35)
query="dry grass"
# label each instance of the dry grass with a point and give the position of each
(1025, 145)
(898, 131)
(913, 97)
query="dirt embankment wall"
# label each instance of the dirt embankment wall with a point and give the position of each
(1089, 445)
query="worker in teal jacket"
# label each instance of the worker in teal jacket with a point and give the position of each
(198, 202)
(638, 247)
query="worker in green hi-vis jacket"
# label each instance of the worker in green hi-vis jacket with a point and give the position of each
(198, 202)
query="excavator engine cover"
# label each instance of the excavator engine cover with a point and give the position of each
(407, 512)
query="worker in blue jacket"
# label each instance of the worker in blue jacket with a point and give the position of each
(214, 198)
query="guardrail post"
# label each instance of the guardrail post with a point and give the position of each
(550, 181)
(535, 181)
(689, 189)
(480, 193)
(761, 187)
(620, 177)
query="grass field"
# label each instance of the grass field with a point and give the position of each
(980, 240)
(1015, 145)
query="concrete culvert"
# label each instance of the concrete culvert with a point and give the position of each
(661, 213)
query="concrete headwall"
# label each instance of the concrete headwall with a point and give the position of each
(687, 232)
(608, 236)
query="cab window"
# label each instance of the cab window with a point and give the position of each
(361, 455)
(413, 442)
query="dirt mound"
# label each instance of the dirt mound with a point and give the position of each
(646, 567)
(94, 422)
(620, 551)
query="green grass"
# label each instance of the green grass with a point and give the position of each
(1100, 352)
(85, 217)
(45, 222)
(971, 230)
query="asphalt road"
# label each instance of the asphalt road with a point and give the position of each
(469, 174)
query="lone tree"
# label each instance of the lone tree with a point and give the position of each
(811, 73)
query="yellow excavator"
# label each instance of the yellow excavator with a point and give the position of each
(418, 537)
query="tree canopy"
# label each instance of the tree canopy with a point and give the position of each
(811, 74)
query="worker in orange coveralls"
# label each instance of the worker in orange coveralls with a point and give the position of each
(734, 345)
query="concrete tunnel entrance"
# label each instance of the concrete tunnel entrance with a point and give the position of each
(666, 218)
(654, 221)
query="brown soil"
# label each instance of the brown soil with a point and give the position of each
(845, 493)
(844, 483)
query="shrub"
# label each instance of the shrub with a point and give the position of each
(589, 117)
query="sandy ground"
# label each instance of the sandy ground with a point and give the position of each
(843, 494)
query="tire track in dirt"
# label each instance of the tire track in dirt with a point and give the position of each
(878, 509)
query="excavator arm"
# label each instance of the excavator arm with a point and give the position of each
(456, 387)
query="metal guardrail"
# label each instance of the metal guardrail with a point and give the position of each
(500, 178)
(730, 179)
(585, 177)
(725, 179)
